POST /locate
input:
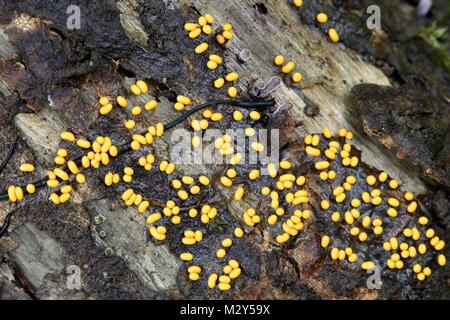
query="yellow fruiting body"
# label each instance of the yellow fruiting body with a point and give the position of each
(103, 101)
(135, 90)
(333, 34)
(322, 17)
(297, 77)
(228, 35)
(201, 48)
(55, 198)
(121, 101)
(190, 26)
(69, 136)
(212, 279)
(80, 178)
(26, 167)
(59, 160)
(367, 265)
(232, 76)
(239, 193)
(152, 104)
(288, 67)
(325, 241)
(442, 261)
(221, 253)
(218, 83)
(227, 242)
(278, 60)
(254, 115)
(393, 184)
(82, 143)
(227, 182)
(30, 188)
(224, 286)
(202, 21)
(195, 33)
(232, 91)
(238, 232)
(212, 65)
(227, 27)
(18, 193)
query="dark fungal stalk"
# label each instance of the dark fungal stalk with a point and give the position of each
(9, 155)
(7, 222)
(5, 225)
(242, 104)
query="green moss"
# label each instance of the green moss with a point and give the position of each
(438, 36)
(372, 103)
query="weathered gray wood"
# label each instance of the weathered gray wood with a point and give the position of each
(324, 65)
(120, 232)
(9, 290)
(6, 49)
(41, 132)
(37, 254)
(129, 19)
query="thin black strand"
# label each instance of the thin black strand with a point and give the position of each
(9, 155)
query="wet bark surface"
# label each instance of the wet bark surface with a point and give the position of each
(416, 111)
(51, 78)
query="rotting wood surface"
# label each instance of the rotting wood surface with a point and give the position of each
(45, 87)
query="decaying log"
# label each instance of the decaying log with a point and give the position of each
(43, 91)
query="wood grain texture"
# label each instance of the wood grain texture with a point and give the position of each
(140, 268)
(329, 71)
